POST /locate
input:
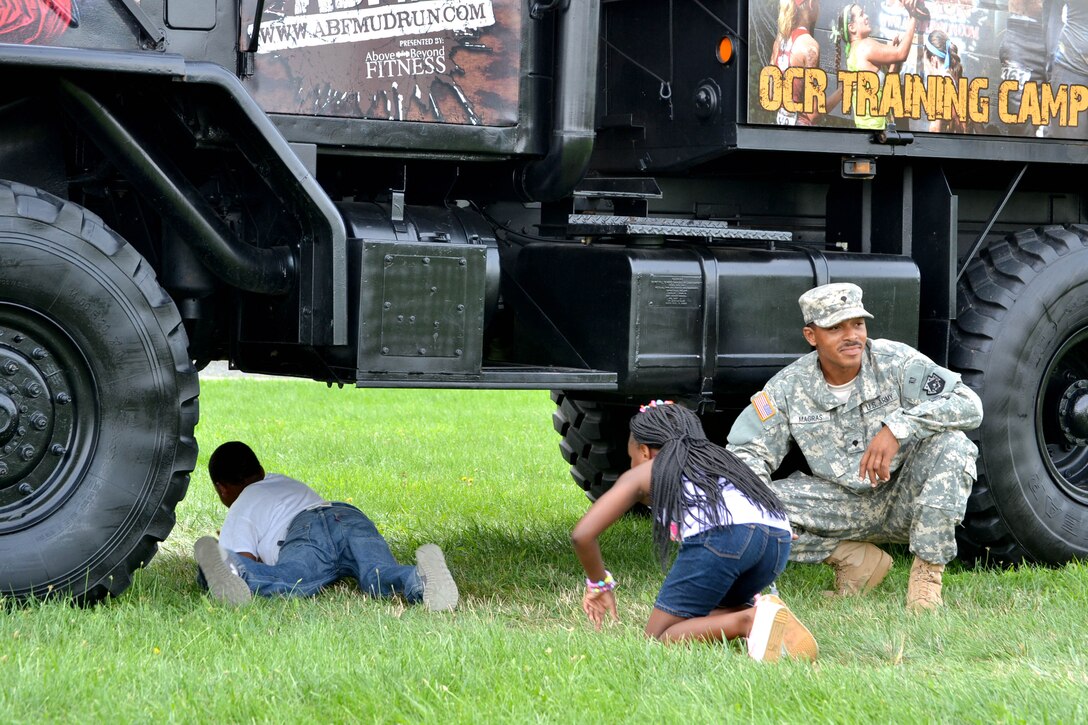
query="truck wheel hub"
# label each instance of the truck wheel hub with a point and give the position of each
(1073, 413)
(35, 416)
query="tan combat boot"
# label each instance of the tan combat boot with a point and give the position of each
(859, 567)
(924, 587)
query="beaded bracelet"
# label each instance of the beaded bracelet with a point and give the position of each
(604, 585)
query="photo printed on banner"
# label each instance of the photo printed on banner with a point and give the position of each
(446, 61)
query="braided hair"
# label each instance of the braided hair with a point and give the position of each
(840, 35)
(686, 456)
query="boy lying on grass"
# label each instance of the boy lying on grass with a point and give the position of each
(281, 538)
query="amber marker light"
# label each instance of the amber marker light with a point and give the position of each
(725, 50)
(858, 167)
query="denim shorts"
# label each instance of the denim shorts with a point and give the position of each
(722, 568)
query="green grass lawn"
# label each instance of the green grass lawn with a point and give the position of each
(479, 473)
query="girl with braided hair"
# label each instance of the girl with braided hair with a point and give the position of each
(732, 535)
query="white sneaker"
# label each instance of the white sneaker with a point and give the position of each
(439, 589)
(776, 631)
(223, 581)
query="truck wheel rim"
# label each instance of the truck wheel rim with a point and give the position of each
(1062, 416)
(47, 416)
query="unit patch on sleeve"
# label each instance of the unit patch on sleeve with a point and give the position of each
(763, 405)
(934, 384)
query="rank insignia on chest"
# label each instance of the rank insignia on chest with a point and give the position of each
(763, 405)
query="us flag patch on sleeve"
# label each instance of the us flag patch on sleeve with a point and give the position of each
(763, 405)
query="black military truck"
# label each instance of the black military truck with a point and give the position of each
(614, 200)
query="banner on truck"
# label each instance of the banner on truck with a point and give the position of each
(1016, 68)
(446, 61)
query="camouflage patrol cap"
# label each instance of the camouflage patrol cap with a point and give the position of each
(830, 304)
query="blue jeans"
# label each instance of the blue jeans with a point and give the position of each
(722, 568)
(327, 544)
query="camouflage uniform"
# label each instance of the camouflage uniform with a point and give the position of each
(924, 405)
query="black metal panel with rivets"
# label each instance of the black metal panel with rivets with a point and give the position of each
(421, 308)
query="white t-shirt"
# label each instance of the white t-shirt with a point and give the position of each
(258, 519)
(741, 511)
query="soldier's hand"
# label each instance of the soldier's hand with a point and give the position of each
(876, 462)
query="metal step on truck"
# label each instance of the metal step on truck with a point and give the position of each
(610, 199)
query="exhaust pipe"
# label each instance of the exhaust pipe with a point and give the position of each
(567, 159)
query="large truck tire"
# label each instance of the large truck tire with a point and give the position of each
(98, 402)
(1021, 342)
(594, 440)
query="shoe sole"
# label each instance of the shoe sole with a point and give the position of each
(797, 642)
(223, 584)
(795, 639)
(439, 589)
(790, 638)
